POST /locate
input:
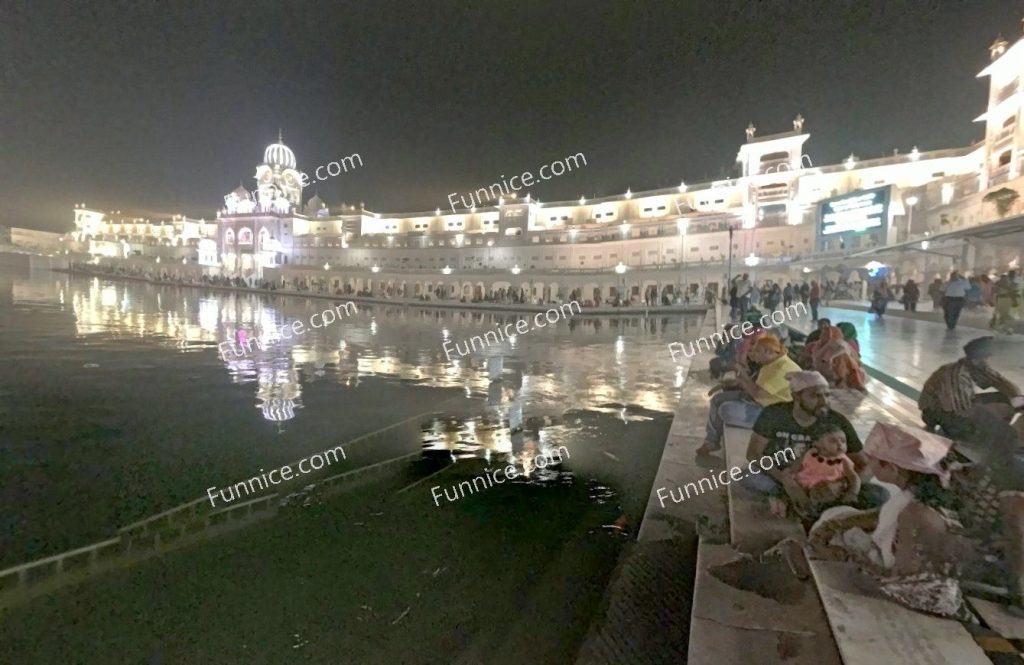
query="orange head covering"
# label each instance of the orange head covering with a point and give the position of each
(769, 343)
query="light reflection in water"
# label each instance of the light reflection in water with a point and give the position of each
(590, 361)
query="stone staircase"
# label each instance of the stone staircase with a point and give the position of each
(745, 611)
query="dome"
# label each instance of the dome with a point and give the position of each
(314, 205)
(278, 154)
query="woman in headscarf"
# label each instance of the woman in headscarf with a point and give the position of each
(837, 361)
(850, 335)
(916, 543)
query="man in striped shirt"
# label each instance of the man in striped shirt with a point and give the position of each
(948, 401)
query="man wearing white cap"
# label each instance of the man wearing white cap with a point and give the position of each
(791, 425)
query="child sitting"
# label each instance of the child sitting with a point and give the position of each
(825, 474)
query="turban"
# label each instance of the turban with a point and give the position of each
(979, 347)
(803, 380)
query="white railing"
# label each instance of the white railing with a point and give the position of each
(57, 561)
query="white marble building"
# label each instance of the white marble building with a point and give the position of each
(782, 212)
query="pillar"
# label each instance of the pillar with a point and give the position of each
(967, 256)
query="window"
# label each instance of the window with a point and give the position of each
(712, 248)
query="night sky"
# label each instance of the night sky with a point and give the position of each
(164, 107)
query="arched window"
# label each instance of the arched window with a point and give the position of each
(264, 237)
(229, 237)
(245, 236)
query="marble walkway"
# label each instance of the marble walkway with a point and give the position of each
(909, 350)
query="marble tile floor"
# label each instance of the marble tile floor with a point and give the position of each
(909, 350)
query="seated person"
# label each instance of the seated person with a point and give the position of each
(915, 541)
(850, 335)
(836, 360)
(749, 338)
(815, 334)
(740, 403)
(725, 352)
(792, 426)
(826, 474)
(804, 358)
(948, 401)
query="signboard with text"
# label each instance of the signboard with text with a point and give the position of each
(858, 211)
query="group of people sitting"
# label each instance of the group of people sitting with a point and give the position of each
(904, 503)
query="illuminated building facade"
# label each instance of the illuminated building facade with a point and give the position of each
(780, 212)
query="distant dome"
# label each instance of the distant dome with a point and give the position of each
(278, 154)
(315, 205)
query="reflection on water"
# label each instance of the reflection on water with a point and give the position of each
(391, 342)
(125, 406)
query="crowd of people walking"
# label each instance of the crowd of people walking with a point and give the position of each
(955, 295)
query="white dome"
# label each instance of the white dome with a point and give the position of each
(278, 154)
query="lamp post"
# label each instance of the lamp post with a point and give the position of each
(728, 279)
